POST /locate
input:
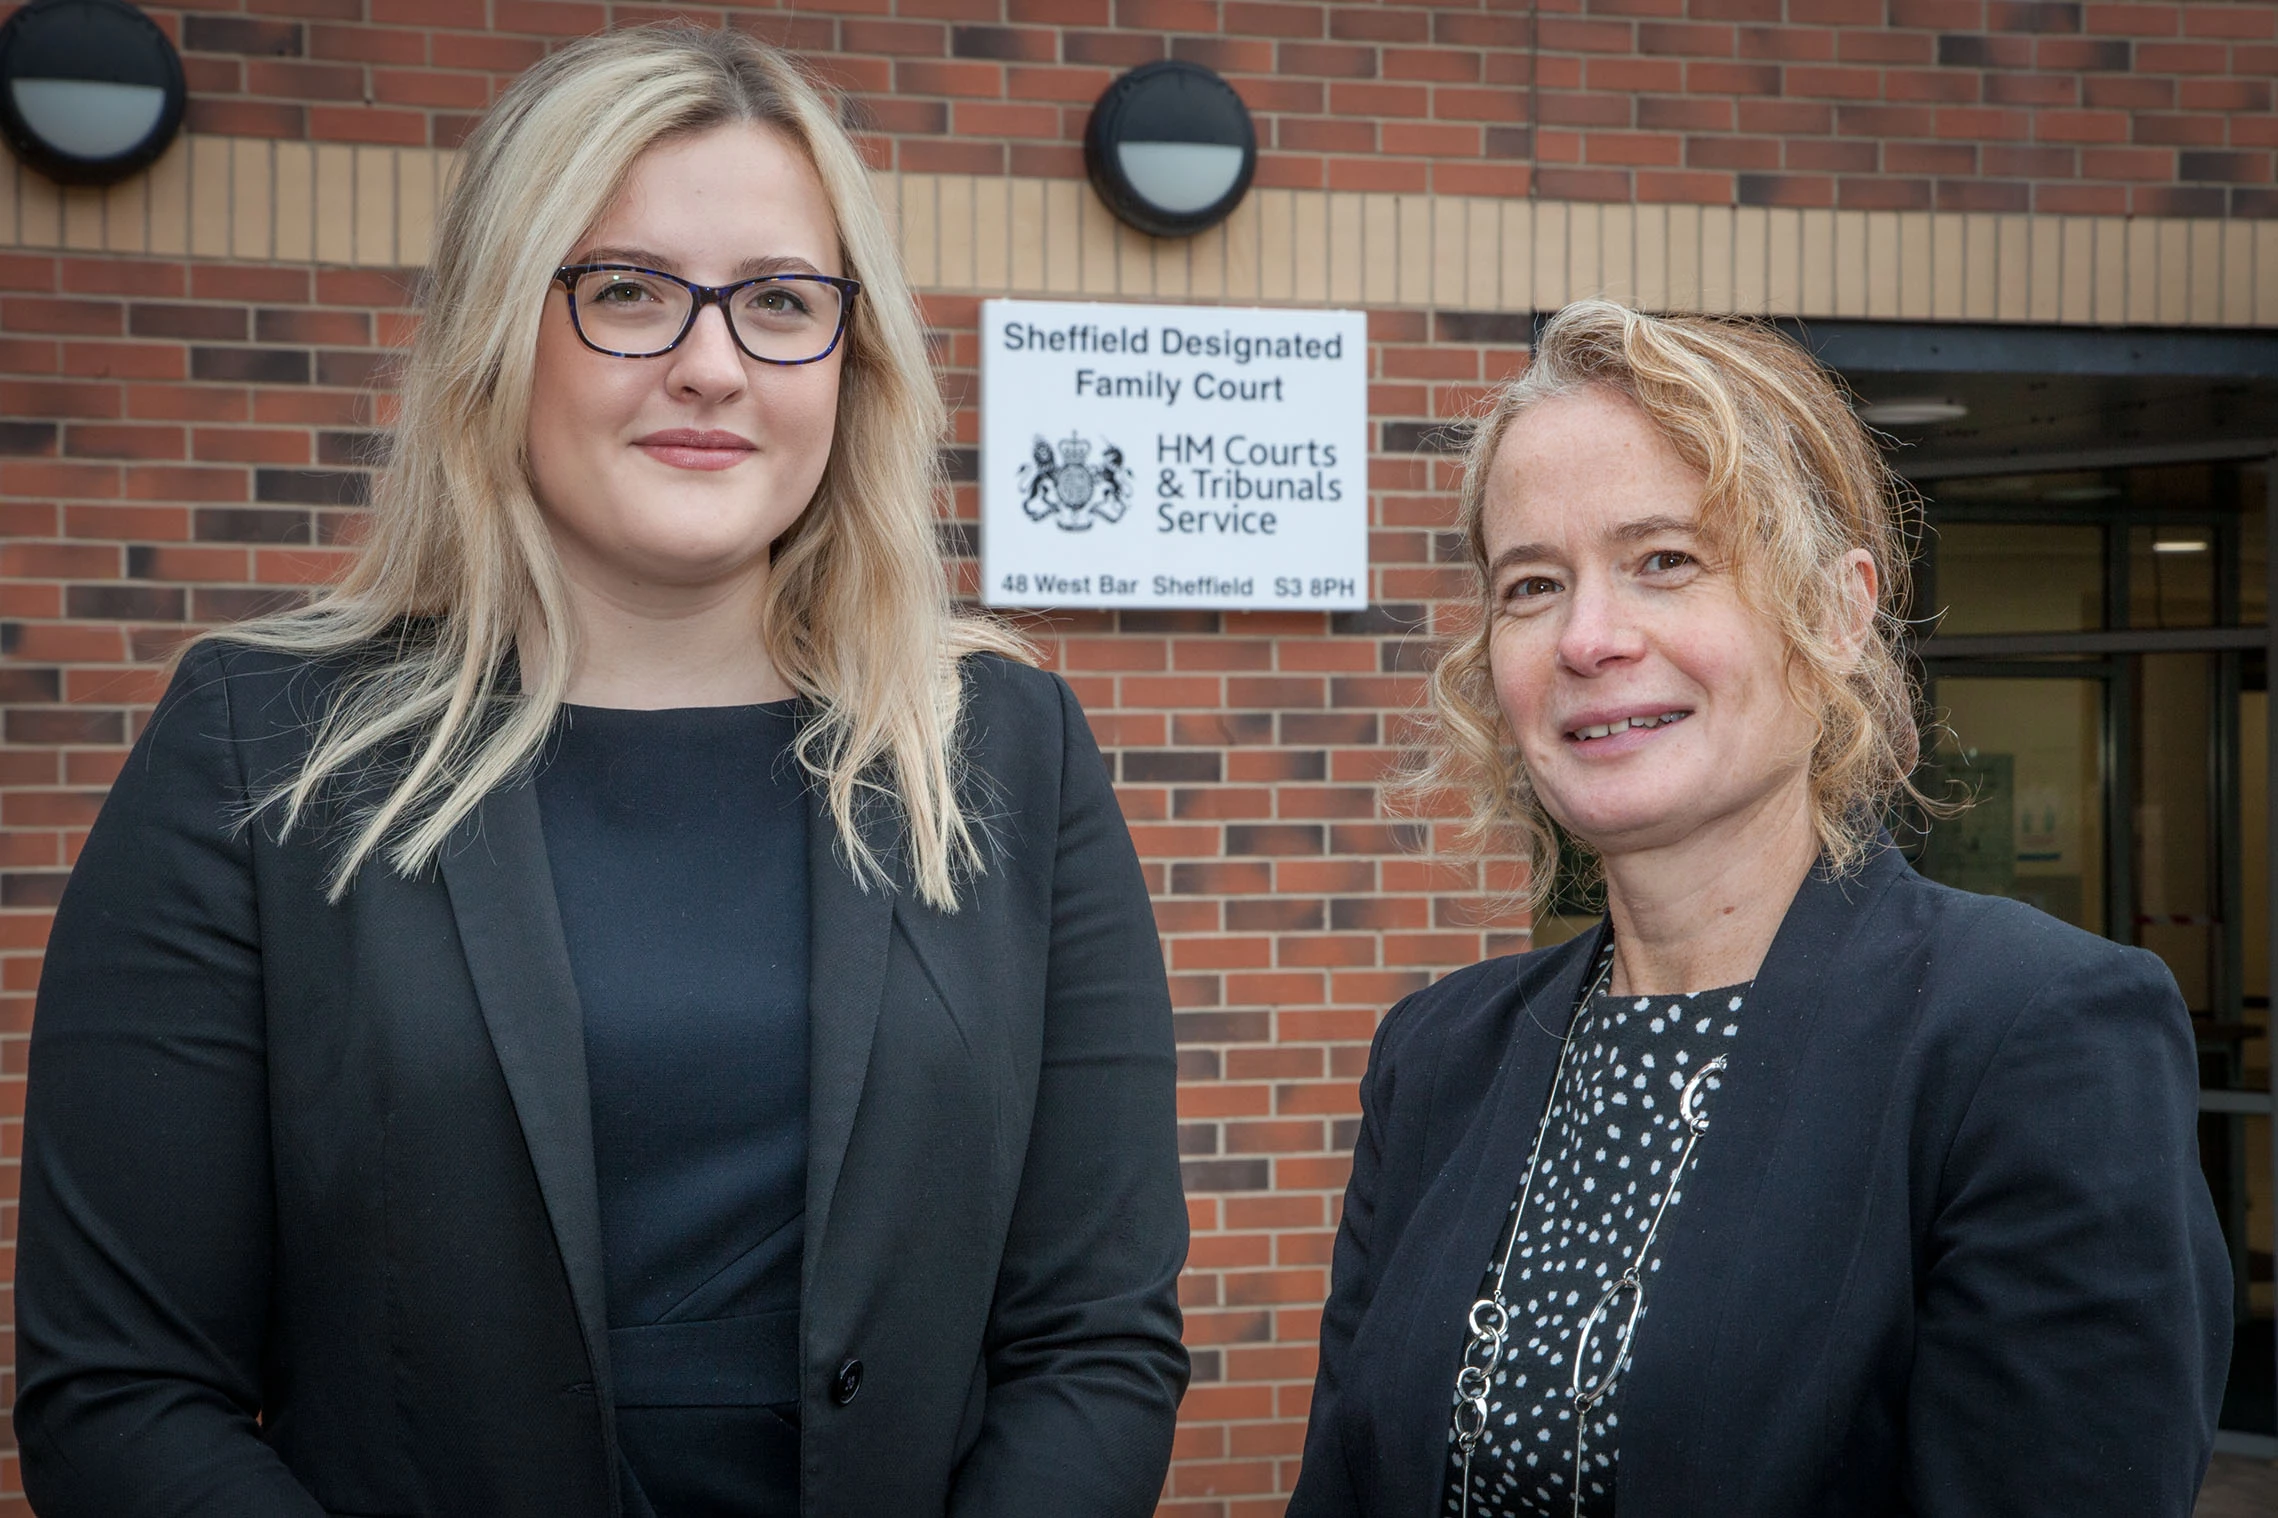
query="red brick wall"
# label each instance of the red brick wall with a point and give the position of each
(2152, 108)
(2159, 107)
(184, 443)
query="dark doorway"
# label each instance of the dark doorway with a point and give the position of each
(2094, 629)
(2096, 654)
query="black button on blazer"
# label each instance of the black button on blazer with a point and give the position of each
(309, 1219)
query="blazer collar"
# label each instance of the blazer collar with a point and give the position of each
(1706, 1247)
(848, 924)
(1536, 1006)
(1546, 998)
(501, 889)
(502, 894)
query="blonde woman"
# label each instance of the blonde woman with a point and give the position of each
(1802, 1186)
(627, 1006)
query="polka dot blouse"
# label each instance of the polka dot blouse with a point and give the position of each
(1613, 1133)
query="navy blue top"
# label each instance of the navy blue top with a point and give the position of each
(677, 841)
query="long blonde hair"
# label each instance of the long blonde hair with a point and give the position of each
(856, 615)
(1793, 484)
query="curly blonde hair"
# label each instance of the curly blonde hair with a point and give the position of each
(1793, 484)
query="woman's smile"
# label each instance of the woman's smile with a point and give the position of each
(1622, 732)
(686, 448)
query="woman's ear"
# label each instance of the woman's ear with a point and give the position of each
(1861, 587)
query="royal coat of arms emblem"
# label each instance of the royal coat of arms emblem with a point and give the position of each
(1071, 490)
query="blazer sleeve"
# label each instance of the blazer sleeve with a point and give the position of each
(142, 1265)
(1084, 1363)
(2074, 1246)
(1325, 1486)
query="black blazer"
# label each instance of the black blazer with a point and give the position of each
(309, 1220)
(1945, 1250)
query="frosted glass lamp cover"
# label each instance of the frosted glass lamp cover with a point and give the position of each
(91, 91)
(1170, 148)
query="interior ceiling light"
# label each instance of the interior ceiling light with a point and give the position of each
(2176, 540)
(2068, 495)
(1171, 148)
(91, 91)
(1915, 411)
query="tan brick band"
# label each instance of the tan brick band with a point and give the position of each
(253, 199)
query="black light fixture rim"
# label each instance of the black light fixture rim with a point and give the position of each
(68, 169)
(1107, 175)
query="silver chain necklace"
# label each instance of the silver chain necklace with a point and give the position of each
(1491, 1315)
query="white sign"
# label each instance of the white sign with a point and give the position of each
(1173, 456)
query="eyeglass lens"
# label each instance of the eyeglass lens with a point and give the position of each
(788, 321)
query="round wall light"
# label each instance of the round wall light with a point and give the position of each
(90, 90)
(1170, 148)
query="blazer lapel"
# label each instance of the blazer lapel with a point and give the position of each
(1505, 1132)
(502, 894)
(1493, 1154)
(847, 932)
(1693, 1321)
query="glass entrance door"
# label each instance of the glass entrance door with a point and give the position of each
(2098, 668)
(2032, 763)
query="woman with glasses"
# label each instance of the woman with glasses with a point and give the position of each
(627, 1007)
(1800, 1186)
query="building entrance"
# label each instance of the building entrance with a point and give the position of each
(2095, 650)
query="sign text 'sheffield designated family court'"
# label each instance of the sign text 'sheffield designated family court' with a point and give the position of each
(1173, 456)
